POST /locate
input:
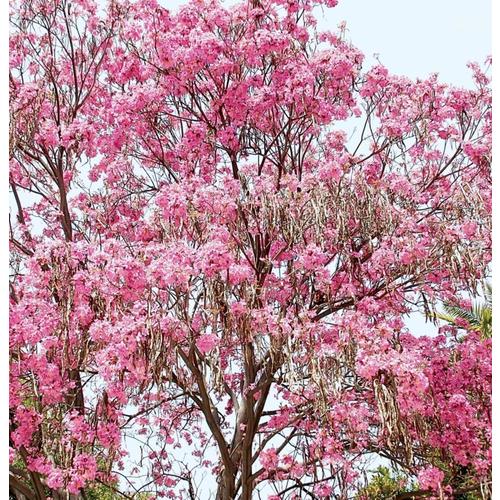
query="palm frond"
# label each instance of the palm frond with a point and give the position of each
(479, 317)
(449, 318)
(465, 314)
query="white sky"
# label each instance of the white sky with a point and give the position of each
(417, 38)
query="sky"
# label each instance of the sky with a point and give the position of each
(418, 38)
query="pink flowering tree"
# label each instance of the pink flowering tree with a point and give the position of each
(219, 222)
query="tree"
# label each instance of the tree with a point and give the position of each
(385, 485)
(209, 276)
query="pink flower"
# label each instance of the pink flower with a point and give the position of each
(430, 478)
(55, 479)
(207, 342)
(461, 322)
(269, 459)
(238, 274)
(323, 490)
(469, 229)
(239, 308)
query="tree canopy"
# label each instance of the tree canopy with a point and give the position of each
(219, 223)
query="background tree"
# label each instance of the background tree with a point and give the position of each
(385, 485)
(210, 279)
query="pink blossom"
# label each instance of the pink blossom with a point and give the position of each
(207, 342)
(430, 478)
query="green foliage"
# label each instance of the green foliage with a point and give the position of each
(479, 316)
(385, 484)
(463, 480)
(103, 492)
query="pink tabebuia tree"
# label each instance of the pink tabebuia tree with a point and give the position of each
(210, 277)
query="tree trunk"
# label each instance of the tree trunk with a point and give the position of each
(227, 487)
